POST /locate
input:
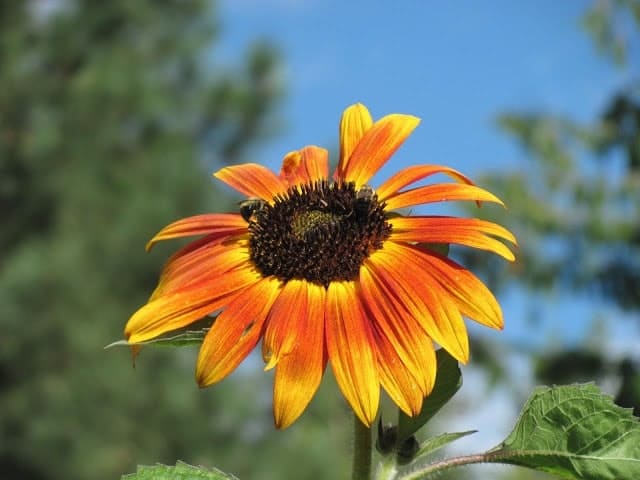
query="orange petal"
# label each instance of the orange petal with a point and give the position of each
(399, 328)
(414, 173)
(473, 298)
(236, 331)
(253, 180)
(441, 192)
(471, 232)
(175, 310)
(349, 345)
(298, 374)
(396, 378)
(200, 265)
(305, 166)
(283, 323)
(218, 223)
(427, 301)
(356, 120)
(377, 145)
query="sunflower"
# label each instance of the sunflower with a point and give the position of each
(326, 270)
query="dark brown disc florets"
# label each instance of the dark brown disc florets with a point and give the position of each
(320, 232)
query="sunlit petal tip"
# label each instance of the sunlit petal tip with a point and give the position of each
(414, 173)
(272, 361)
(253, 180)
(377, 145)
(355, 121)
(440, 192)
(220, 224)
(203, 379)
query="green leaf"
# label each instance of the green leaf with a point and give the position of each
(181, 471)
(188, 337)
(575, 432)
(441, 248)
(193, 334)
(432, 444)
(448, 382)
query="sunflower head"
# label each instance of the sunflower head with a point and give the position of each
(325, 269)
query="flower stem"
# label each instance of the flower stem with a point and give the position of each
(428, 470)
(361, 469)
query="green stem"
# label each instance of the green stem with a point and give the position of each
(427, 470)
(361, 450)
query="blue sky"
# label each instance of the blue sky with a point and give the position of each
(452, 65)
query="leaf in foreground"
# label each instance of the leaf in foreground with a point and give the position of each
(575, 432)
(182, 339)
(432, 444)
(181, 471)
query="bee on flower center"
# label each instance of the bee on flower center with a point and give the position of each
(249, 208)
(365, 193)
(365, 198)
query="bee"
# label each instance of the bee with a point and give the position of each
(250, 207)
(364, 201)
(365, 192)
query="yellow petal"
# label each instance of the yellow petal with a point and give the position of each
(281, 334)
(298, 374)
(412, 174)
(218, 223)
(356, 120)
(349, 344)
(397, 327)
(377, 145)
(441, 192)
(473, 298)
(176, 310)
(429, 303)
(470, 232)
(235, 332)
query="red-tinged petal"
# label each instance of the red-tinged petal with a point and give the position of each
(471, 232)
(396, 378)
(253, 180)
(427, 301)
(175, 310)
(210, 223)
(473, 298)
(213, 240)
(292, 172)
(355, 122)
(283, 324)
(414, 173)
(201, 265)
(441, 192)
(236, 331)
(398, 327)
(377, 145)
(298, 374)
(316, 162)
(305, 166)
(349, 345)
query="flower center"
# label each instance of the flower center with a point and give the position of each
(320, 232)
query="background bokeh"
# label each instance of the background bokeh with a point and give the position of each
(114, 114)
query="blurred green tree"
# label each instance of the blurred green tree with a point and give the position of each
(576, 205)
(113, 115)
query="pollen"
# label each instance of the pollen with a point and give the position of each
(320, 232)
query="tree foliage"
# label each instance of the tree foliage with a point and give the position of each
(113, 116)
